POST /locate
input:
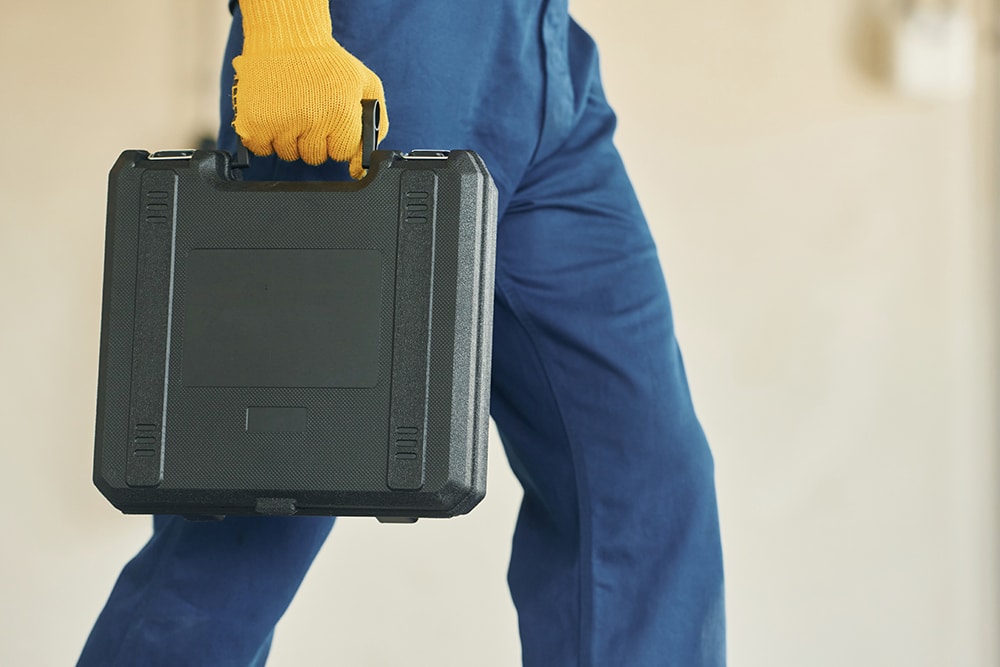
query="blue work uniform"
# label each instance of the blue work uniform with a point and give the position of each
(616, 557)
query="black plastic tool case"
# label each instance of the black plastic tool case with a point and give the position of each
(283, 348)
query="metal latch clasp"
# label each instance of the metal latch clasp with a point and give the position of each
(182, 154)
(426, 154)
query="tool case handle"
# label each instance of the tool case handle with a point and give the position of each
(371, 121)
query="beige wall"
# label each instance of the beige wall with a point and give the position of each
(830, 250)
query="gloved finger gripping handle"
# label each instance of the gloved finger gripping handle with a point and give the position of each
(371, 117)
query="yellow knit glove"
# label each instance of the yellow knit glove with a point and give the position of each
(298, 92)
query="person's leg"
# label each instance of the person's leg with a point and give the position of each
(616, 556)
(205, 593)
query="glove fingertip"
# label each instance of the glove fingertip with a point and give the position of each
(287, 148)
(258, 148)
(313, 151)
(340, 150)
(357, 171)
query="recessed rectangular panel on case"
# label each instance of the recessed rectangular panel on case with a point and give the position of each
(282, 318)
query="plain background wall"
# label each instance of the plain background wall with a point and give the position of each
(830, 250)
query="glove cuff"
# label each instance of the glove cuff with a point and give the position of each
(272, 26)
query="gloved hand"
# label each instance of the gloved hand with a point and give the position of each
(298, 92)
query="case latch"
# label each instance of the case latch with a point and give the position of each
(426, 154)
(182, 154)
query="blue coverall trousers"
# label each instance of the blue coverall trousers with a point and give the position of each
(616, 559)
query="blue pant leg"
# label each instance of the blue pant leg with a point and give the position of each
(616, 556)
(205, 593)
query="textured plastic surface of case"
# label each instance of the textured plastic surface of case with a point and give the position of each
(296, 347)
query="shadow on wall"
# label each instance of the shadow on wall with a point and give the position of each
(870, 39)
